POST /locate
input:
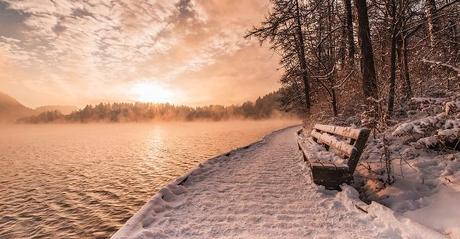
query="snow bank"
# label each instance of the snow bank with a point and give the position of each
(440, 211)
(398, 226)
(393, 225)
(425, 159)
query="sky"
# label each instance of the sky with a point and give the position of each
(78, 52)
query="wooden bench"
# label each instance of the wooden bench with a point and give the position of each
(346, 142)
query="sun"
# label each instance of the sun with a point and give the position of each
(151, 92)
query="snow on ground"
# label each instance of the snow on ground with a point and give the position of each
(263, 191)
(440, 211)
(425, 165)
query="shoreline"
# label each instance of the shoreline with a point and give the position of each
(181, 179)
(125, 230)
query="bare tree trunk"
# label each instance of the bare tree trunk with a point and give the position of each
(302, 60)
(332, 56)
(367, 56)
(404, 63)
(334, 102)
(349, 30)
(343, 47)
(394, 39)
(430, 9)
(391, 92)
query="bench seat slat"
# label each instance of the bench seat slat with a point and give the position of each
(343, 147)
(330, 165)
(309, 158)
(338, 130)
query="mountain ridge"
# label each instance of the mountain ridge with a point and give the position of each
(11, 109)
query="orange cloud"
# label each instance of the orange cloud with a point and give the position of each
(80, 52)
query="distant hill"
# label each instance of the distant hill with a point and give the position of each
(11, 109)
(64, 109)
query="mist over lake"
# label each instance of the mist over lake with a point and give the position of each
(86, 180)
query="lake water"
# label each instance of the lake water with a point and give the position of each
(86, 181)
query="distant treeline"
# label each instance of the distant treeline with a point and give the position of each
(263, 108)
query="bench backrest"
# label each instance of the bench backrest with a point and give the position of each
(352, 149)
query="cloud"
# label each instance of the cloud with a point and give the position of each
(85, 48)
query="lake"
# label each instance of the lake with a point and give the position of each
(87, 180)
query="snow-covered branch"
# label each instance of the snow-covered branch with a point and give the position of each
(454, 68)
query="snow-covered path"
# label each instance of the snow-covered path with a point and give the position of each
(259, 192)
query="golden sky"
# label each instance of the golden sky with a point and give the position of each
(86, 51)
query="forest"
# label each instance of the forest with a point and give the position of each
(263, 108)
(390, 66)
(342, 57)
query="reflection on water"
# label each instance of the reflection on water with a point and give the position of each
(80, 181)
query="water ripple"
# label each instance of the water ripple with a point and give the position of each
(85, 181)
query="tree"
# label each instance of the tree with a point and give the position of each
(302, 60)
(395, 41)
(349, 31)
(369, 78)
(394, 38)
(430, 10)
(283, 29)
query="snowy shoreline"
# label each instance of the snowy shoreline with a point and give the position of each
(124, 231)
(262, 190)
(181, 179)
